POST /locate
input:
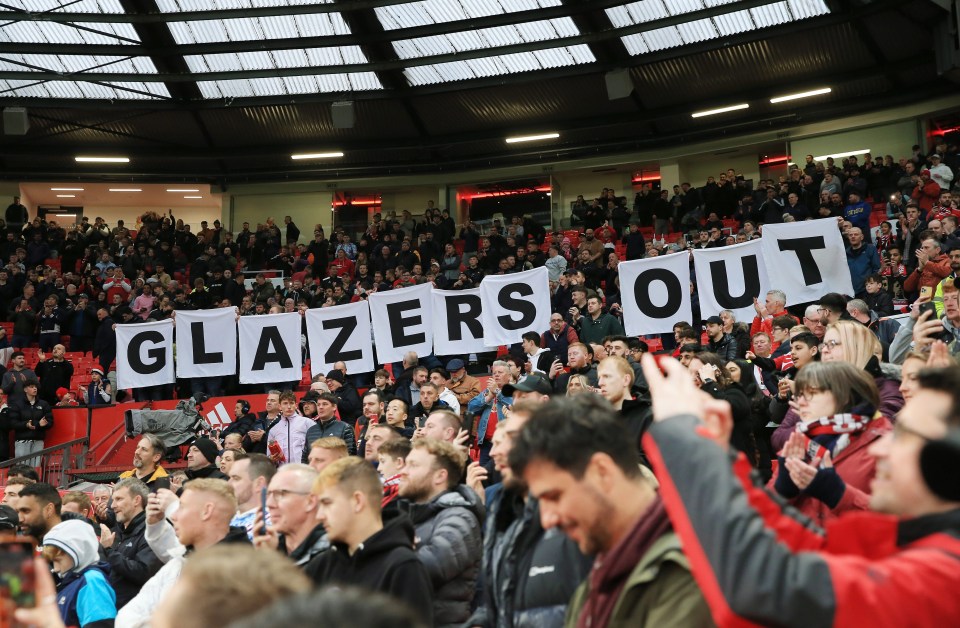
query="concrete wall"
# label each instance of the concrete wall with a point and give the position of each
(889, 139)
(696, 169)
(306, 209)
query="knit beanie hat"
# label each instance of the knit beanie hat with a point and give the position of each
(208, 448)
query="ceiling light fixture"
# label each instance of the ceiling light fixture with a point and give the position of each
(812, 92)
(182, 190)
(192, 197)
(66, 189)
(713, 112)
(66, 196)
(846, 153)
(532, 138)
(126, 190)
(103, 160)
(316, 155)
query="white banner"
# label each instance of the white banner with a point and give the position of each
(206, 342)
(402, 321)
(806, 259)
(145, 354)
(340, 333)
(730, 277)
(459, 327)
(655, 293)
(270, 349)
(514, 304)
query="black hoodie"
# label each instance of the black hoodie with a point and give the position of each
(385, 562)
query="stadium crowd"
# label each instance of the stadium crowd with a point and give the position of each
(798, 468)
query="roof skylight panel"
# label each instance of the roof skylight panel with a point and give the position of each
(499, 65)
(78, 6)
(803, 9)
(480, 39)
(663, 38)
(734, 22)
(424, 12)
(678, 7)
(635, 44)
(771, 15)
(698, 30)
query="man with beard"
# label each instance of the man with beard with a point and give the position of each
(132, 562)
(249, 475)
(146, 463)
(577, 461)
(530, 571)
(447, 517)
(38, 507)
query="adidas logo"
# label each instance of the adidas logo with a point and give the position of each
(219, 418)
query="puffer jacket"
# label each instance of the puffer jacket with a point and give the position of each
(529, 574)
(333, 427)
(449, 543)
(132, 562)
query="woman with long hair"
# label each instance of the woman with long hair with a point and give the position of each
(710, 373)
(853, 343)
(746, 374)
(825, 467)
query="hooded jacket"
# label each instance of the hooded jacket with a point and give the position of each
(386, 562)
(84, 596)
(132, 562)
(529, 573)
(315, 543)
(449, 542)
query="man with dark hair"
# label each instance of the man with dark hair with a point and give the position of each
(833, 308)
(765, 566)
(30, 418)
(539, 358)
(597, 324)
(578, 462)
(719, 342)
(249, 475)
(367, 549)
(146, 463)
(38, 506)
(448, 519)
(289, 431)
(327, 424)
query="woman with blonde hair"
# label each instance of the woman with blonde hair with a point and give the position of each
(853, 343)
(578, 384)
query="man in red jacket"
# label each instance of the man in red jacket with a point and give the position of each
(775, 305)
(757, 564)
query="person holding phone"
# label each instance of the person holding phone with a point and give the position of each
(923, 327)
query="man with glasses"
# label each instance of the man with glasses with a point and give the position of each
(765, 565)
(933, 265)
(293, 527)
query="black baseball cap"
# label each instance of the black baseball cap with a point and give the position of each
(534, 382)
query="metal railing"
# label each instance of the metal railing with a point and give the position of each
(55, 462)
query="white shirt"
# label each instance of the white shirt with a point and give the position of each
(451, 399)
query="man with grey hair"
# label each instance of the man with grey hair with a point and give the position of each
(293, 527)
(813, 321)
(488, 406)
(884, 329)
(132, 562)
(774, 306)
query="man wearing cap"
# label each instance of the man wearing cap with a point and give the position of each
(348, 401)
(940, 172)
(201, 460)
(721, 343)
(9, 520)
(53, 373)
(533, 387)
(99, 391)
(464, 386)
(327, 425)
(30, 418)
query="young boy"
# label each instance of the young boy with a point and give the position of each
(392, 457)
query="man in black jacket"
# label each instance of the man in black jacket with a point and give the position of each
(615, 379)
(105, 340)
(348, 401)
(367, 551)
(202, 459)
(328, 425)
(53, 374)
(30, 418)
(721, 343)
(132, 562)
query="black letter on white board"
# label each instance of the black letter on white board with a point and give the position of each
(200, 355)
(398, 323)
(721, 286)
(507, 300)
(270, 338)
(458, 316)
(335, 352)
(804, 247)
(158, 353)
(641, 291)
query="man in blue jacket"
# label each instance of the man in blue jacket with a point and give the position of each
(862, 259)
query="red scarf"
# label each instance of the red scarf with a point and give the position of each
(612, 570)
(839, 425)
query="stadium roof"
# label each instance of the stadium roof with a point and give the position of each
(228, 90)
